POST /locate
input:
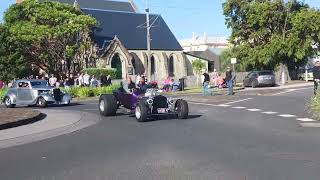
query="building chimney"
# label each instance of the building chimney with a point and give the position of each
(194, 37)
(205, 37)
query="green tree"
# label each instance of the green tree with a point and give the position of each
(269, 33)
(12, 63)
(198, 66)
(46, 33)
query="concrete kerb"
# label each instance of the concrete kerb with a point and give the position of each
(55, 119)
(87, 119)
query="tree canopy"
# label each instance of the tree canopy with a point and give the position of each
(267, 33)
(44, 34)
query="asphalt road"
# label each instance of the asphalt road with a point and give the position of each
(234, 142)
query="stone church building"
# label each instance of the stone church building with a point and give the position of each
(122, 37)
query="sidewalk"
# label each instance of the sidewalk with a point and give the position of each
(286, 86)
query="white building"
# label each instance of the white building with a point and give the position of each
(203, 43)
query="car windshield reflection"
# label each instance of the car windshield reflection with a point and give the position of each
(39, 84)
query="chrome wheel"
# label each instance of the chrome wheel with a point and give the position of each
(8, 101)
(101, 105)
(138, 112)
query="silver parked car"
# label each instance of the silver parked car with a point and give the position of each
(28, 92)
(259, 78)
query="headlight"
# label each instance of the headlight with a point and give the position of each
(150, 101)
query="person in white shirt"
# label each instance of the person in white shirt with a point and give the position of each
(86, 80)
(80, 80)
(52, 80)
(138, 78)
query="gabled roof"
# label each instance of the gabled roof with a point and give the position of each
(208, 55)
(131, 31)
(103, 5)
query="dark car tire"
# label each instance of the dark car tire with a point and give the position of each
(182, 109)
(42, 103)
(141, 112)
(8, 103)
(254, 84)
(108, 105)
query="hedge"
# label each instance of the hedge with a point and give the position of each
(79, 91)
(90, 91)
(114, 74)
(314, 106)
(2, 93)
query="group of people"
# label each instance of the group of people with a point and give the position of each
(140, 84)
(216, 80)
(170, 85)
(81, 80)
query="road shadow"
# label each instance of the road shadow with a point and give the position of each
(170, 117)
(22, 122)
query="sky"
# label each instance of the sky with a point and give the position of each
(184, 16)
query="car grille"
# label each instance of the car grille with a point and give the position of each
(160, 102)
(57, 94)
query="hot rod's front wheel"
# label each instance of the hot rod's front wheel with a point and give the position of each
(182, 109)
(141, 112)
(108, 105)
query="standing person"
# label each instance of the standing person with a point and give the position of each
(1, 84)
(108, 83)
(71, 80)
(214, 77)
(86, 79)
(205, 83)
(316, 75)
(52, 80)
(94, 81)
(67, 83)
(138, 77)
(103, 80)
(80, 80)
(229, 80)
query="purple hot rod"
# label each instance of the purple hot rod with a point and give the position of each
(143, 105)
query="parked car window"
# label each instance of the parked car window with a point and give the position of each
(253, 75)
(249, 75)
(23, 85)
(265, 73)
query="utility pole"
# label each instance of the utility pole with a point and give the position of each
(148, 41)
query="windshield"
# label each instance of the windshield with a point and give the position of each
(266, 73)
(39, 84)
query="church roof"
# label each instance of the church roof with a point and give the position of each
(103, 5)
(130, 30)
(208, 55)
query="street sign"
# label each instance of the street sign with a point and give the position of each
(233, 60)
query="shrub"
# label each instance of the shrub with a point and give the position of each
(2, 93)
(103, 71)
(90, 91)
(314, 106)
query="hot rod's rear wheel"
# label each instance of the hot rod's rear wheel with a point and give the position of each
(182, 109)
(42, 102)
(141, 112)
(108, 105)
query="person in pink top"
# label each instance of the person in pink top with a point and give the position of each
(1, 84)
(167, 84)
(220, 81)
